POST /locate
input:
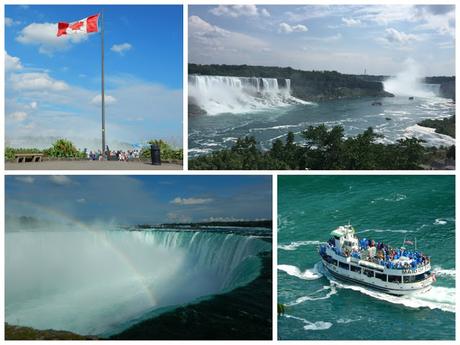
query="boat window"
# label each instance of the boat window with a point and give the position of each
(334, 262)
(344, 265)
(369, 273)
(355, 268)
(394, 279)
(381, 276)
(420, 277)
(409, 279)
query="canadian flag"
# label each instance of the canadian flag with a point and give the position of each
(83, 26)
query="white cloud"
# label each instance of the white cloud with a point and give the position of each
(236, 11)
(60, 179)
(322, 39)
(394, 36)
(287, 29)
(190, 201)
(18, 116)
(81, 200)
(10, 22)
(385, 14)
(69, 114)
(44, 36)
(36, 81)
(121, 48)
(12, 63)
(217, 45)
(264, 12)
(437, 18)
(350, 22)
(96, 100)
(25, 179)
(33, 105)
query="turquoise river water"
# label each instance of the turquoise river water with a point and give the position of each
(384, 208)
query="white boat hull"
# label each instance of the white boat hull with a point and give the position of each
(397, 289)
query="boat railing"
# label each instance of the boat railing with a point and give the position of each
(386, 263)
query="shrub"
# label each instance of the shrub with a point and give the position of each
(63, 148)
(10, 152)
(166, 150)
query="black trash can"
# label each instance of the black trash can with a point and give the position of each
(155, 154)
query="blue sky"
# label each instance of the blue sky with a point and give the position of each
(141, 199)
(53, 84)
(346, 38)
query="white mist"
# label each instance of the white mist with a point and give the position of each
(97, 281)
(410, 82)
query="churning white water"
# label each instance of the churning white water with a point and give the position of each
(219, 94)
(410, 82)
(96, 282)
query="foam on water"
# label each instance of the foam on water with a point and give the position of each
(344, 321)
(315, 296)
(297, 244)
(311, 326)
(308, 274)
(429, 135)
(447, 273)
(436, 297)
(440, 221)
(401, 231)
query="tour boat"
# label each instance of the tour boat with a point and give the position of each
(396, 271)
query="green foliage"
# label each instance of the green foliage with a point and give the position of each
(281, 309)
(443, 126)
(325, 149)
(10, 152)
(166, 150)
(63, 148)
(451, 152)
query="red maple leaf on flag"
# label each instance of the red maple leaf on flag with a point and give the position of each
(76, 26)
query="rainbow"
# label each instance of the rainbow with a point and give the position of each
(141, 279)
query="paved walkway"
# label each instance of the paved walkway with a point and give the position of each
(90, 165)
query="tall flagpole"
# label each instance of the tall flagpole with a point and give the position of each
(102, 84)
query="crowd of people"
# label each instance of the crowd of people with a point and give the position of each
(112, 155)
(384, 255)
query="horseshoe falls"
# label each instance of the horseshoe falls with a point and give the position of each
(101, 280)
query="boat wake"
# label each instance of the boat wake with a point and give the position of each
(315, 296)
(401, 231)
(447, 273)
(436, 297)
(297, 244)
(309, 274)
(311, 326)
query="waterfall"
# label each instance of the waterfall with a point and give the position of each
(221, 94)
(97, 282)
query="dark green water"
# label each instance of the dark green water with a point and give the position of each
(386, 208)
